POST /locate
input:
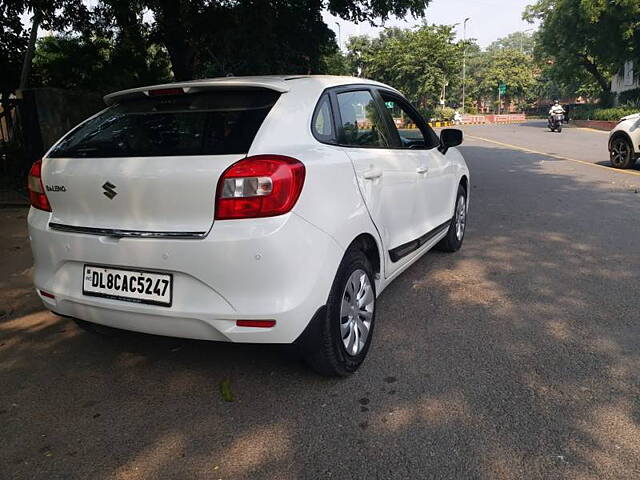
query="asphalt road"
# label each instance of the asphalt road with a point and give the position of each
(518, 357)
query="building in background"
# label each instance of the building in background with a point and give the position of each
(625, 80)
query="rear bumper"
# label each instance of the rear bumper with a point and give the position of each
(277, 268)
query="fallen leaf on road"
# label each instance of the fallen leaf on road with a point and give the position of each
(225, 390)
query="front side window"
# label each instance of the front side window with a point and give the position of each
(362, 123)
(412, 131)
(207, 123)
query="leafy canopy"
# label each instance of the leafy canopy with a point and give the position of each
(419, 62)
(52, 15)
(590, 38)
(197, 37)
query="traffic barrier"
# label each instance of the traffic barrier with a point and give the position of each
(474, 119)
(439, 124)
(500, 119)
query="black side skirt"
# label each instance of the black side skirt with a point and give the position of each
(406, 248)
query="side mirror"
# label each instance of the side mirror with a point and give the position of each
(450, 137)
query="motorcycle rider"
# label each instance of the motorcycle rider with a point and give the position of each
(556, 109)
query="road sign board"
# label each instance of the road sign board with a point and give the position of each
(503, 88)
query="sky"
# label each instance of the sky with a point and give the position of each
(490, 19)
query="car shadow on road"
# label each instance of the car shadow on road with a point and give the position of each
(515, 358)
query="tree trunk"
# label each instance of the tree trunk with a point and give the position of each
(171, 25)
(31, 48)
(592, 68)
(182, 59)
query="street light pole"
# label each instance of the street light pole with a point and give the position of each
(464, 61)
(339, 37)
(522, 39)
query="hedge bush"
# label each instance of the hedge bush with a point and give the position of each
(445, 114)
(439, 114)
(612, 114)
(590, 112)
(630, 97)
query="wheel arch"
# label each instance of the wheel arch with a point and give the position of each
(621, 134)
(368, 245)
(464, 181)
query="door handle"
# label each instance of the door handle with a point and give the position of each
(372, 174)
(422, 170)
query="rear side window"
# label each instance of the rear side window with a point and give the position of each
(322, 123)
(207, 123)
(362, 123)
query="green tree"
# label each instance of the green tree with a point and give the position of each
(419, 62)
(13, 44)
(521, 41)
(16, 42)
(592, 37)
(200, 37)
(257, 36)
(95, 64)
(357, 47)
(334, 62)
(502, 62)
(507, 66)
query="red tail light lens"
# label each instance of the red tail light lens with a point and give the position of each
(37, 194)
(256, 323)
(260, 186)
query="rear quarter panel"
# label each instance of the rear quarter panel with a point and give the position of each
(330, 198)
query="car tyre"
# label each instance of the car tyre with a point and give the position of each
(333, 343)
(621, 153)
(457, 227)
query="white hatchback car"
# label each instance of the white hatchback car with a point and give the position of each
(257, 209)
(624, 142)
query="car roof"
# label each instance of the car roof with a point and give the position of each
(278, 83)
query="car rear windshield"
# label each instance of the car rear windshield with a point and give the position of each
(209, 123)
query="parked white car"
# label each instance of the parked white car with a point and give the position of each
(624, 142)
(257, 209)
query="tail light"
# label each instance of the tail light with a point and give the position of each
(37, 195)
(260, 186)
(165, 91)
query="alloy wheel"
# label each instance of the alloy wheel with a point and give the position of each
(461, 217)
(620, 152)
(356, 312)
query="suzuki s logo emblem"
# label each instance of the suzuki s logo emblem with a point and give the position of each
(109, 190)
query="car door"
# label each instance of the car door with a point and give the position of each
(418, 143)
(387, 180)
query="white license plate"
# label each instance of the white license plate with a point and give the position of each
(128, 285)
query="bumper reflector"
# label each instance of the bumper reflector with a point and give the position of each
(47, 294)
(255, 323)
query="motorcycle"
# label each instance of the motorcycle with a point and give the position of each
(555, 122)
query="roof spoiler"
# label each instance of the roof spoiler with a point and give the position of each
(194, 86)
